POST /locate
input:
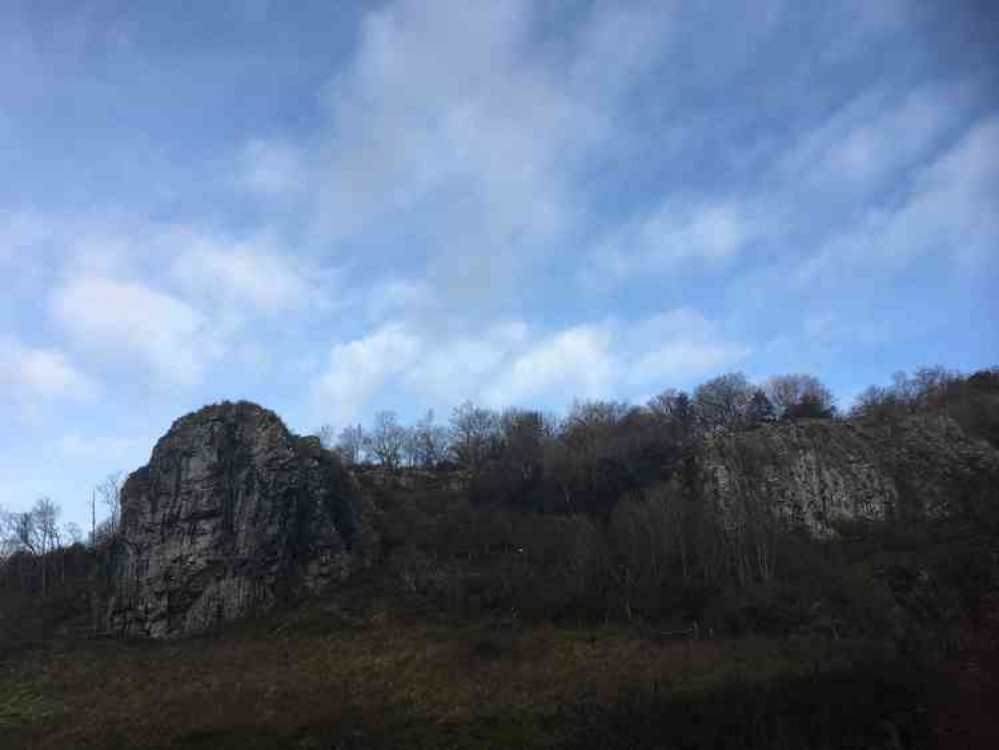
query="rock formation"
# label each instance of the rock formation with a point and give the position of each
(233, 515)
(812, 472)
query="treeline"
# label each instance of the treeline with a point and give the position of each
(38, 552)
(591, 517)
(600, 451)
(594, 453)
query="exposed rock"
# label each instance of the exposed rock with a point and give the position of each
(233, 515)
(812, 472)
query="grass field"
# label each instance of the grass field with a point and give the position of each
(320, 679)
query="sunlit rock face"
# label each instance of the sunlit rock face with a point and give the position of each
(813, 472)
(233, 515)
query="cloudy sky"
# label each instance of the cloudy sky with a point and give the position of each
(334, 208)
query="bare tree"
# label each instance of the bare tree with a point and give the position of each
(800, 395)
(46, 515)
(18, 541)
(873, 401)
(386, 439)
(350, 443)
(760, 409)
(327, 436)
(723, 402)
(107, 495)
(24, 528)
(8, 536)
(474, 432)
(673, 408)
(524, 433)
(44, 533)
(427, 443)
(73, 532)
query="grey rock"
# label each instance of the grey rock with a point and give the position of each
(232, 516)
(813, 472)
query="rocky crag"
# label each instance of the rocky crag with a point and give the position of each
(233, 515)
(811, 473)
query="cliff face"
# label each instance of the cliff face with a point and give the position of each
(810, 473)
(232, 515)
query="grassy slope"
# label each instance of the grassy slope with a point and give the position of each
(325, 678)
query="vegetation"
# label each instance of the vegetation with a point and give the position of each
(552, 582)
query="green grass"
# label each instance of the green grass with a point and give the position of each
(22, 705)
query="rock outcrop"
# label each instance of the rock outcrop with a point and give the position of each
(810, 473)
(233, 515)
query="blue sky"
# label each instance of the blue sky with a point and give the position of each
(334, 208)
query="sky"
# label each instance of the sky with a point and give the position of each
(335, 208)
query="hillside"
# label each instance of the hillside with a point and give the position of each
(800, 582)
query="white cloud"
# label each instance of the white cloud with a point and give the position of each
(948, 209)
(396, 297)
(41, 374)
(242, 275)
(674, 233)
(453, 128)
(129, 318)
(455, 368)
(359, 368)
(509, 364)
(677, 344)
(576, 361)
(869, 140)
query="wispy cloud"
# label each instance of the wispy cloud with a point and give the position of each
(97, 445)
(466, 143)
(511, 363)
(41, 374)
(948, 209)
(240, 274)
(679, 231)
(273, 168)
(413, 202)
(866, 142)
(127, 318)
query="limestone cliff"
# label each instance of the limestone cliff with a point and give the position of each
(232, 515)
(812, 472)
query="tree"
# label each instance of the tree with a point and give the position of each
(46, 518)
(386, 439)
(723, 402)
(811, 406)
(760, 410)
(427, 445)
(873, 401)
(798, 396)
(327, 436)
(18, 541)
(350, 443)
(523, 435)
(474, 433)
(106, 494)
(39, 533)
(672, 406)
(8, 535)
(74, 533)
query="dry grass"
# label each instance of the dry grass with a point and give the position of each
(456, 685)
